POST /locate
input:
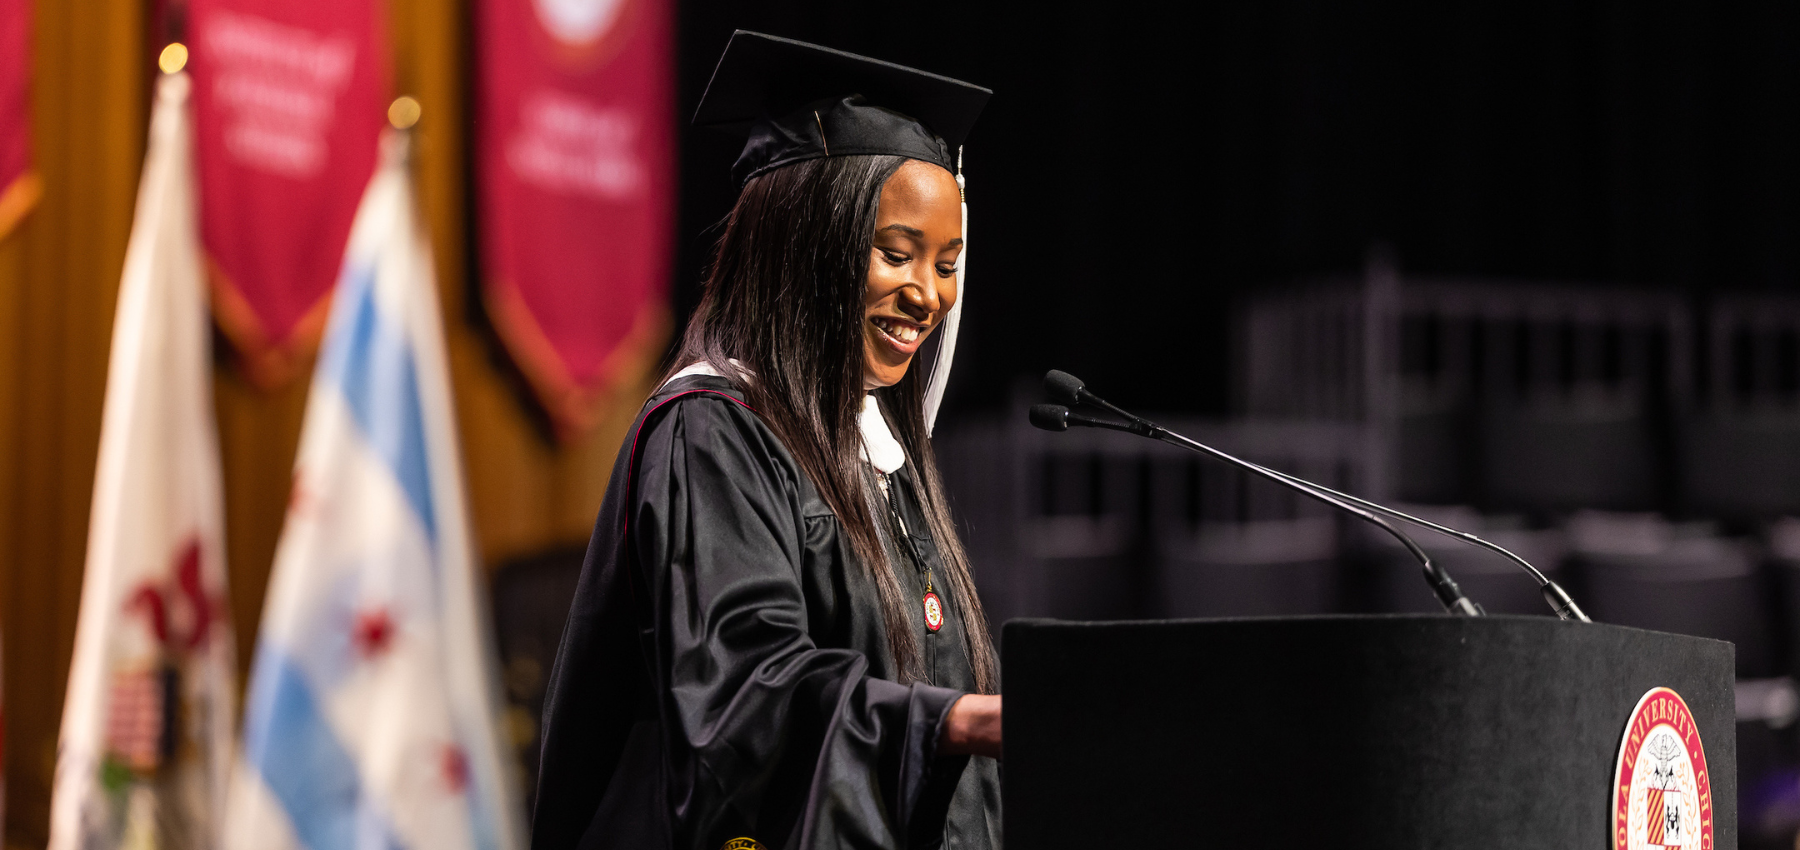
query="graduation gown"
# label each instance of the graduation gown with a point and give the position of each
(724, 671)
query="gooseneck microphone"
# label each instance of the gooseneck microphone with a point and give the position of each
(1056, 417)
(1069, 389)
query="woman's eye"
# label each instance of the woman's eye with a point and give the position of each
(946, 271)
(892, 257)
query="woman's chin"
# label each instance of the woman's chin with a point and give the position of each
(878, 375)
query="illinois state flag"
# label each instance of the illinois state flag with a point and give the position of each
(372, 719)
(147, 723)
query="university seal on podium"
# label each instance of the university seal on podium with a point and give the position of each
(1662, 796)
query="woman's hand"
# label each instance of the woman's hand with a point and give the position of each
(972, 727)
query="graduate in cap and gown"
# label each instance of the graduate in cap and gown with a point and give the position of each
(776, 641)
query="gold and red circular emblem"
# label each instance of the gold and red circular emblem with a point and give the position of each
(741, 844)
(934, 611)
(1662, 796)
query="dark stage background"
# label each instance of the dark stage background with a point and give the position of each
(1142, 166)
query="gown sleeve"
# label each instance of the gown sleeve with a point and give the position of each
(767, 735)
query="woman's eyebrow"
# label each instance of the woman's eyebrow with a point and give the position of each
(916, 233)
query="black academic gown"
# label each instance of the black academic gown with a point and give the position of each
(724, 672)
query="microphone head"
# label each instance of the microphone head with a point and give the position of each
(1050, 417)
(1063, 386)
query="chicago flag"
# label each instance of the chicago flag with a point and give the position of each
(146, 731)
(372, 717)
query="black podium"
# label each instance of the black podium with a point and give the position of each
(1386, 731)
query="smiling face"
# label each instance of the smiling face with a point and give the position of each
(912, 268)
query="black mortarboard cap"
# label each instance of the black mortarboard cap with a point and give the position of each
(797, 101)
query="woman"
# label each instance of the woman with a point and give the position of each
(776, 641)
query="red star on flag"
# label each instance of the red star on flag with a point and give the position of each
(373, 632)
(455, 767)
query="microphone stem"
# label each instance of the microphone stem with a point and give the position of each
(1446, 589)
(1559, 600)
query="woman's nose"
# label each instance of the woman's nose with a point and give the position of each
(920, 300)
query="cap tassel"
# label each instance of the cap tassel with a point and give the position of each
(946, 353)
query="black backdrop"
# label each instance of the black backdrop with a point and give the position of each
(1143, 165)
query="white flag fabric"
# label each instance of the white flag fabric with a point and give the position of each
(373, 714)
(147, 722)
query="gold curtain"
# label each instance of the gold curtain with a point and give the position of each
(59, 273)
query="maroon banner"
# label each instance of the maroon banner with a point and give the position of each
(19, 185)
(289, 100)
(575, 151)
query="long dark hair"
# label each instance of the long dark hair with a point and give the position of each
(784, 298)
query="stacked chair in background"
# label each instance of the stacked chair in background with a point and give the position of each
(1103, 525)
(1738, 440)
(1053, 533)
(1225, 543)
(1568, 397)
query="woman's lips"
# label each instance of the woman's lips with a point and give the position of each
(904, 336)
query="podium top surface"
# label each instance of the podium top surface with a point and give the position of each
(1392, 730)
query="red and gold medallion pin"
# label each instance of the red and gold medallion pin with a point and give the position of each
(934, 611)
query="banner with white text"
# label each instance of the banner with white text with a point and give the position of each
(576, 161)
(289, 103)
